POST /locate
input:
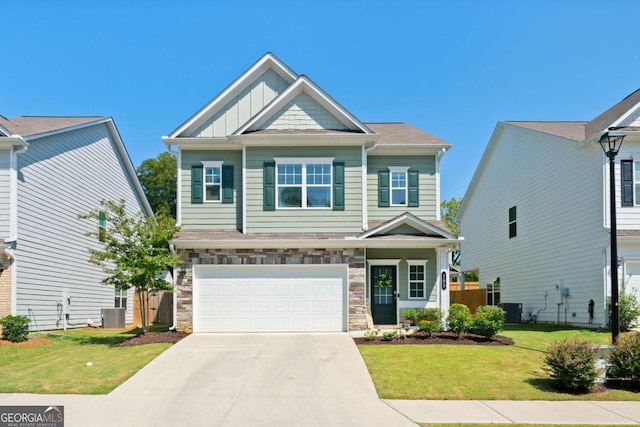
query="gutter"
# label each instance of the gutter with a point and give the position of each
(11, 241)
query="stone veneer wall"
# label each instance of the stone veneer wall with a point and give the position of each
(353, 257)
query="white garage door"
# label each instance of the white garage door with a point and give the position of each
(632, 282)
(278, 298)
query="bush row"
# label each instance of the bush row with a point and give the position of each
(487, 321)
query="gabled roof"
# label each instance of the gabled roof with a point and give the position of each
(570, 130)
(613, 115)
(404, 134)
(425, 229)
(306, 85)
(6, 127)
(268, 60)
(30, 126)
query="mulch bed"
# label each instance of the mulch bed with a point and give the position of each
(33, 341)
(449, 337)
(153, 338)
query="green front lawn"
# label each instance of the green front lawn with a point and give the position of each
(453, 372)
(60, 366)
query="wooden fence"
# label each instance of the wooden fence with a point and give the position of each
(455, 286)
(159, 309)
(472, 298)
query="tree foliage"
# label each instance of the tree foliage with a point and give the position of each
(448, 211)
(158, 179)
(135, 251)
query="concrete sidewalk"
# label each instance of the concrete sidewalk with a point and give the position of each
(518, 412)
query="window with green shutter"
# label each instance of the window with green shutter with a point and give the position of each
(512, 222)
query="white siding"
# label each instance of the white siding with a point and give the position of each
(244, 106)
(303, 112)
(628, 217)
(60, 177)
(4, 192)
(557, 189)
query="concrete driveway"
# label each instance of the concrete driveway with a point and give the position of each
(240, 380)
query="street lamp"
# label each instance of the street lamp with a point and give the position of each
(610, 142)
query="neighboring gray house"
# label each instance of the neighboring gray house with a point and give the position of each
(51, 170)
(536, 215)
(297, 216)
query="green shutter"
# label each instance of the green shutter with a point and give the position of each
(338, 186)
(227, 184)
(197, 191)
(626, 178)
(383, 188)
(414, 196)
(269, 189)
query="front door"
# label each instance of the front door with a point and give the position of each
(383, 292)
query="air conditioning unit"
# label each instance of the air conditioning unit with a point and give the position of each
(113, 318)
(513, 312)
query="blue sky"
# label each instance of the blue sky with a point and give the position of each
(452, 68)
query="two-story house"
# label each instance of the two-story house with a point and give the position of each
(297, 216)
(536, 215)
(51, 170)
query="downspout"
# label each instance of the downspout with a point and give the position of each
(439, 156)
(244, 189)
(173, 327)
(11, 241)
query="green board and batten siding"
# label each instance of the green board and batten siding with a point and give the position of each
(403, 274)
(309, 220)
(211, 215)
(425, 165)
(244, 106)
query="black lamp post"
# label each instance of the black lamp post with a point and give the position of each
(610, 142)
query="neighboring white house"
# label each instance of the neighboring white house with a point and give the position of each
(51, 170)
(535, 216)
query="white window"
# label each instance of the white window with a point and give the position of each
(398, 184)
(212, 181)
(121, 298)
(493, 292)
(417, 280)
(304, 183)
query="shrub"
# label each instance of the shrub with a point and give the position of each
(488, 321)
(624, 358)
(571, 365)
(430, 320)
(410, 314)
(628, 311)
(460, 319)
(15, 328)
(429, 314)
(371, 334)
(389, 335)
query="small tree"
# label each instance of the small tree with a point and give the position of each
(158, 178)
(135, 251)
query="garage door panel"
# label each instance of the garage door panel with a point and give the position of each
(269, 299)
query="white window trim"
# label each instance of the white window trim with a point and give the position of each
(304, 161)
(399, 169)
(211, 164)
(423, 264)
(634, 159)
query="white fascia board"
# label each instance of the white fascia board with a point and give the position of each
(13, 141)
(267, 61)
(303, 84)
(411, 220)
(623, 117)
(301, 139)
(408, 149)
(315, 243)
(202, 143)
(130, 169)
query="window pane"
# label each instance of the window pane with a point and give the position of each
(318, 174)
(512, 214)
(212, 192)
(290, 197)
(290, 174)
(319, 197)
(212, 176)
(398, 197)
(398, 179)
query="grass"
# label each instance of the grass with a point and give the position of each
(452, 372)
(60, 366)
(518, 425)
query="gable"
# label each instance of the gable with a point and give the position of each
(240, 108)
(303, 113)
